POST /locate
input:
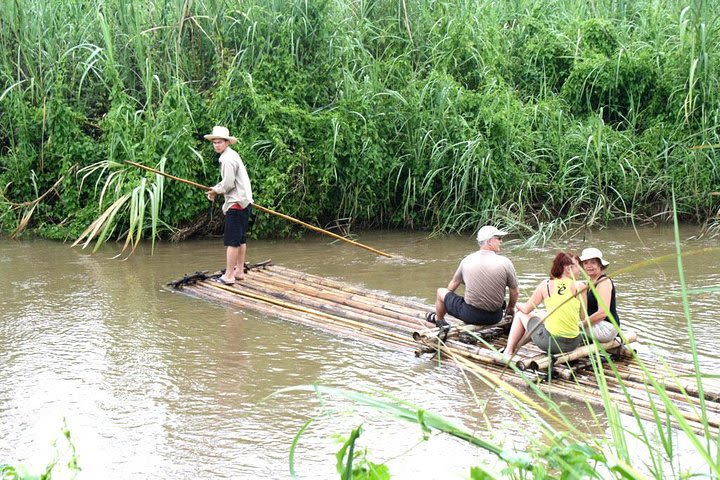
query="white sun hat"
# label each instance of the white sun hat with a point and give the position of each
(222, 133)
(589, 253)
(487, 232)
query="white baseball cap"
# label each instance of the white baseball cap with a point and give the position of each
(589, 253)
(487, 232)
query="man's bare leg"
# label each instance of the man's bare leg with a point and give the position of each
(440, 309)
(240, 263)
(231, 259)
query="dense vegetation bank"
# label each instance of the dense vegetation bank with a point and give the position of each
(424, 114)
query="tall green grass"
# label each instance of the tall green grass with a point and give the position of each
(543, 114)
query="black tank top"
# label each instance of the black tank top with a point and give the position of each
(592, 303)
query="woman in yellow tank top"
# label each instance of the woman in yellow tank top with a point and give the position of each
(559, 331)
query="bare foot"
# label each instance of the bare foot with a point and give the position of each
(238, 277)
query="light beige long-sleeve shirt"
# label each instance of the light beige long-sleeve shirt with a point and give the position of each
(235, 183)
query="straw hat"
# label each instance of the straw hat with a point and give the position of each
(589, 253)
(222, 133)
(487, 232)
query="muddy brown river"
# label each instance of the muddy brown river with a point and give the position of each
(157, 384)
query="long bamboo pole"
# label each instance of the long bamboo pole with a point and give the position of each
(330, 308)
(266, 210)
(378, 299)
(303, 317)
(307, 277)
(326, 316)
(287, 286)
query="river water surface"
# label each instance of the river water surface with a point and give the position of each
(152, 383)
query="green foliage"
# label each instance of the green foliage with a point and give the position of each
(56, 466)
(353, 464)
(430, 114)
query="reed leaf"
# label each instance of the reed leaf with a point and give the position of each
(401, 410)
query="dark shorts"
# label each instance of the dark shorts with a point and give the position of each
(236, 224)
(549, 343)
(456, 306)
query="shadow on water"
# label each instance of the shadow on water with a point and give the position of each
(153, 381)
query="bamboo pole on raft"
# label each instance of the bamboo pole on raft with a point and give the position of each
(267, 210)
(311, 291)
(319, 299)
(332, 318)
(348, 288)
(305, 318)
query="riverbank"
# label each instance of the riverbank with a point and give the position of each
(430, 116)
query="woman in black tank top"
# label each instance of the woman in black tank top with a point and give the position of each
(603, 327)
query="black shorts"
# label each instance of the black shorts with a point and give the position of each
(236, 224)
(456, 306)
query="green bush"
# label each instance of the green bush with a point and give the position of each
(429, 114)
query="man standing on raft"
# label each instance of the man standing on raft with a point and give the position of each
(485, 275)
(235, 187)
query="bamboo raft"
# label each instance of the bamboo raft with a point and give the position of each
(368, 315)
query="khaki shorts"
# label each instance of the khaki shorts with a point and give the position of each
(604, 332)
(549, 343)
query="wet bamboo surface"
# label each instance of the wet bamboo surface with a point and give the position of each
(396, 322)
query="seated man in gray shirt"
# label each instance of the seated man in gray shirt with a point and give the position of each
(485, 275)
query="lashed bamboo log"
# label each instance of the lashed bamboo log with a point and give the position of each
(526, 361)
(414, 309)
(306, 317)
(584, 351)
(524, 354)
(332, 318)
(483, 355)
(567, 372)
(312, 291)
(349, 288)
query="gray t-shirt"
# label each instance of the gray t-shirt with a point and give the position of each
(485, 275)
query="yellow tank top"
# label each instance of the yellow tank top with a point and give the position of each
(565, 318)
